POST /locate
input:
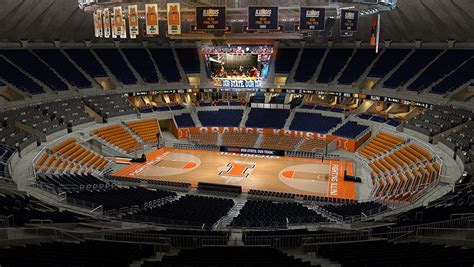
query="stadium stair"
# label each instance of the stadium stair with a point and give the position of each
(245, 116)
(334, 82)
(194, 116)
(259, 141)
(367, 70)
(106, 69)
(319, 68)
(233, 212)
(428, 89)
(132, 69)
(182, 73)
(290, 119)
(84, 73)
(380, 83)
(421, 71)
(291, 75)
(160, 76)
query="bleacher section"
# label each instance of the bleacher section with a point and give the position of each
(399, 170)
(350, 129)
(459, 77)
(313, 122)
(5, 155)
(117, 65)
(87, 62)
(335, 60)
(378, 253)
(11, 136)
(285, 59)
(380, 144)
(279, 142)
(18, 79)
(148, 130)
(24, 209)
(387, 62)
(313, 145)
(357, 65)
(204, 138)
(354, 209)
(68, 112)
(72, 182)
(229, 257)
(70, 157)
(239, 139)
(184, 120)
(438, 119)
(166, 63)
(113, 198)
(446, 63)
(262, 213)
(221, 118)
(109, 106)
(412, 65)
(29, 63)
(59, 62)
(117, 136)
(461, 142)
(189, 59)
(310, 59)
(193, 211)
(267, 118)
(76, 254)
(141, 62)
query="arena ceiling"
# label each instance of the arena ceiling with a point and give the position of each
(427, 20)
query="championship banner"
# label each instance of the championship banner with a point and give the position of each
(106, 22)
(312, 19)
(151, 15)
(349, 20)
(263, 18)
(133, 20)
(211, 18)
(118, 21)
(174, 18)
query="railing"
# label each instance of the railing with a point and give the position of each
(164, 221)
(196, 147)
(445, 233)
(184, 241)
(463, 222)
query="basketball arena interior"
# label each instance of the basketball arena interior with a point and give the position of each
(248, 133)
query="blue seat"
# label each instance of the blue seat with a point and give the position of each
(350, 129)
(357, 65)
(184, 120)
(309, 61)
(166, 63)
(222, 117)
(59, 62)
(332, 65)
(14, 76)
(267, 118)
(117, 65)
(285, 59)
(189, 59)
(313, 122)
(87, 62)
(142, 63)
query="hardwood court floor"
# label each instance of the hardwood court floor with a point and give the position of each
(278, 174)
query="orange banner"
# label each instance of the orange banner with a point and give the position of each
(347, 144)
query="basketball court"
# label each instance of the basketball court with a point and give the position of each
(259, 172)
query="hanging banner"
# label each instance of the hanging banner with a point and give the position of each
(151, 14)
(114, 30)
(100, 25)
(263, 18)
(312, 19)
(349, 20)
(210, 18)
(106, 22)
(133, 20)
(124, 33)
(96, 24)
(118, 21)
(174, 18)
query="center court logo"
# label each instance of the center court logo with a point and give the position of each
(237, 169)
